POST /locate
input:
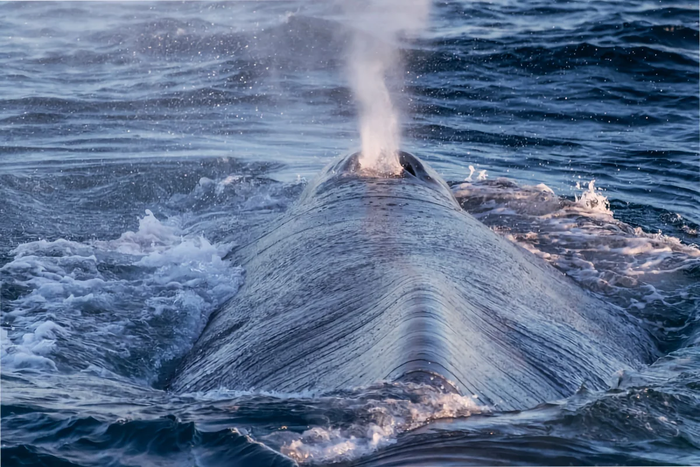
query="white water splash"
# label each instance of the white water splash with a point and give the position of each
(371, 57)
(480, 177)
(593, 200)
(114, 296)
(471, 172)
(648, 274)
(33, 348)
(379, 424)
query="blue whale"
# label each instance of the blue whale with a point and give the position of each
(370, 279)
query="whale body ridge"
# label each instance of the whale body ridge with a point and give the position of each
(368, 279)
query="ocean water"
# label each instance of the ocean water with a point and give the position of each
(141, 142)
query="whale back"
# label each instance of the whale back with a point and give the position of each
(387, 279)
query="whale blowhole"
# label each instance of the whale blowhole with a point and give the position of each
(403, 164)
(408, 167)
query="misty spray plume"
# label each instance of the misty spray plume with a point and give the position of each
(372, 55)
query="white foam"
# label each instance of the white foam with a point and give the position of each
(631, 267)
(593, 200)
(363, 420)
(379, 423)
(152, 236)
(31, 350)
(107, 297)
(221, 186)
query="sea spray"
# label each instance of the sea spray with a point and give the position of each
(371, 57)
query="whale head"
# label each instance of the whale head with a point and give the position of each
(416, 177)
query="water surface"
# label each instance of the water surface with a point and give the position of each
(141, 142)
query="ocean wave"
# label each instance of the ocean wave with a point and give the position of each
(652, 276)
(101, 301)
(166, 440)
(97, 101)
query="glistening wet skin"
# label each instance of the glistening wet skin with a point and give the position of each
(148, 148)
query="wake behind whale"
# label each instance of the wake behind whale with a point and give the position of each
(368, 279)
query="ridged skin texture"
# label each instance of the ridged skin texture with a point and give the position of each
(370, 279)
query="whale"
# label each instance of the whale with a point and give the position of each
(370, 279)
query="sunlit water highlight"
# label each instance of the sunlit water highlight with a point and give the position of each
(213, 116)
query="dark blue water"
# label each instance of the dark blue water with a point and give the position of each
(141, 142)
